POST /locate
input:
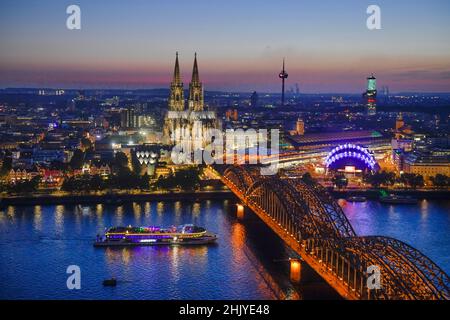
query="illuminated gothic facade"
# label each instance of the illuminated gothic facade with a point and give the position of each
(188, 127)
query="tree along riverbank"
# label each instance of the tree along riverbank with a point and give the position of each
(113, 198)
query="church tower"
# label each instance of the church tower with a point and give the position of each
(300, 127)
(176, 98)
(196, 101)
(399, 123)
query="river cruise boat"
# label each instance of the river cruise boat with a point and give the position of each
(187, 234)
(396, 199)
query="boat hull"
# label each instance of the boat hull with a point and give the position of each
(203, 241)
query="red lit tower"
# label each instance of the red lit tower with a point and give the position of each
(371, 95)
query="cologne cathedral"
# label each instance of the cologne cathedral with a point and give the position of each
(188, 127)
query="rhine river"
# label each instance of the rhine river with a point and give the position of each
(38, 243)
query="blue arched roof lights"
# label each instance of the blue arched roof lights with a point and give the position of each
(349, 150)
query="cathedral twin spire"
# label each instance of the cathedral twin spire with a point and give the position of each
(176, 72)
(176, 99)
(195, 76)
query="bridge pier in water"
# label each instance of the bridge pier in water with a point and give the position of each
(295, 270)
(240, 210)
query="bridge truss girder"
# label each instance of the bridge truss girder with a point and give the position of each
(310, 215)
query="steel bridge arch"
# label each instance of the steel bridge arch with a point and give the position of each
(241, 178)
(407, 273)
(328, 210)
(282, 205)
(311, 217)
(303, 207)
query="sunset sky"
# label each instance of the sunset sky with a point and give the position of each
(240, 44)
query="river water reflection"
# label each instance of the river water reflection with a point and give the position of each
(38, 243)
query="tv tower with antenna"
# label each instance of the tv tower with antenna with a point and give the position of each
(283, 76)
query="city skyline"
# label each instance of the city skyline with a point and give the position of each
(327, 47)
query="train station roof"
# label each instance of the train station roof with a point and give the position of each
(327, 137)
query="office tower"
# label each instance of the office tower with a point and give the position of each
(371, 95)
(127, 118)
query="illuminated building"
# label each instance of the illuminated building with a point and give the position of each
(300, 127)
(148, 156)
(22, 174)
(317, 145)
(426, 164)
(398, 158)
(401, 143)
(127, 118)
(145, 121)
(235, 115)
(196, 99)
(399, 123)
(83, 124)
(231, 114)
(176, 98)
(350, 158)
(371, 95)
(406, 145)
(187, 127)
(402, 131)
